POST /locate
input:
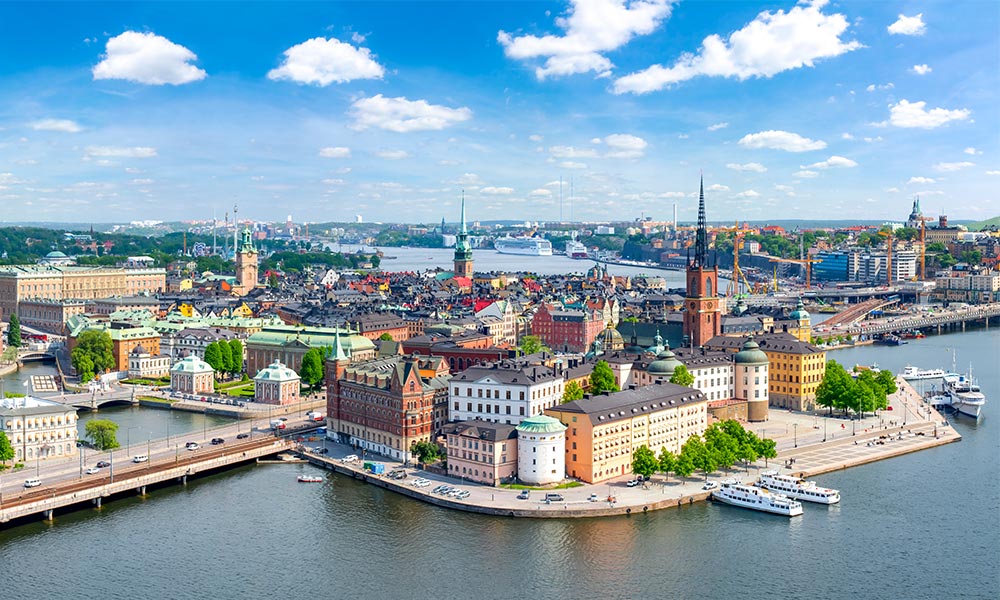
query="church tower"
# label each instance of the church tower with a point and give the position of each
(702, 317)
(246, 265)
(463, 251)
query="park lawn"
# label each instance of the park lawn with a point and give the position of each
(561, 486)
(244, 391)
(159, 381)
(231, 384)
(157, 399)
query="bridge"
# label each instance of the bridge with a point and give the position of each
(857, 312)
(938, 320)
(34, 355)
(94, 400)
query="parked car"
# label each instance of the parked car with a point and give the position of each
(217, 441)
(524, 495)
(92, 471)
(350, 458)
(463, 495)
(709, 485)
(322, 450)
(242, 436)
(140, 458)
(30, 483)
(553, 498)
(593, 498)
(633, 482)
(102, 464)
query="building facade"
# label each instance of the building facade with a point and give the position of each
(142, 364)
(482, 452)
(463, 249)
(796, 370)
(287, 344)
(48, 314)
(38, 429)
(276, 384)
(246, 265)
(567, 330)
(702, 307)
(503, 392)
(192, 375)
(541, 450)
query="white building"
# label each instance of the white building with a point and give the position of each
(541, 450)
(37, 428)
(142, 364)
(503, 392)
(504, 311)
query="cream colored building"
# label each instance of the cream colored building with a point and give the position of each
(142, 364)
(276, 384)
(38, 429)
(481, 451)
(192, 376)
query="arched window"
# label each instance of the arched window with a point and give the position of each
(708, 286)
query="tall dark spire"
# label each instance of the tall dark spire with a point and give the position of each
(701, 238)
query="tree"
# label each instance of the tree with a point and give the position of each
(426, 452)
(973, 257)
(835, 386)
(311, 370)
(602, 379)
(532, 344)
(766, 448)
(572, 392)
(227, 356)
(236, 348)
(213, 356)
(101, 433)
(723, 446)
(272, 280)
(6, 450)
(385, 337)
(682, 376)
(92, 354)
(684, 465)
(644, 462)
(14, 331)
(668, 462)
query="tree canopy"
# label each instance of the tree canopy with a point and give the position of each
(101, 433)
(426, 452)
(311, 370)
(532, 344)
(602, 379)
(92, 354)
(6, 450)
(682, 376)
(867, 392)
(572, 392)
(644, 462)
(14, 331)
(227, 355)
(214, 357)
(236, 349)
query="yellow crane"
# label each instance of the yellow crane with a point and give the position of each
(808, 262)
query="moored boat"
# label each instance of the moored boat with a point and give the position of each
(911, 373)
(530, 246)
(797, 488)
(310, 479)
(755, 498)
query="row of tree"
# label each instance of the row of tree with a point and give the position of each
(225, 356)
(724, 444)
(865, 392)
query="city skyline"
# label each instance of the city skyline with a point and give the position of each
(811, 110)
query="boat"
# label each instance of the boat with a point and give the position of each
(755, 498)
(911, 373)
(891, 340)
(530, 246)
(577, 250)
(797, 488)
(966, 397)
(310, 479)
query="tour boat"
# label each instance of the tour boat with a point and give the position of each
(755, 498)
(797, 488)
(911, 373)
(965, 395)
(310, 479)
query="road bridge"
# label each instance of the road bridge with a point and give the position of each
(857, 312)
(939, 320)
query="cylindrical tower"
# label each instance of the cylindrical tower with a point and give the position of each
(751, 368)
(541, 450)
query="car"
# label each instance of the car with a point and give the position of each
(30, 483)
(140, 458)
(217, 441)
(709, 485)
(92, 471)
(350, 458)
(323, 450)
(455, 492)
(437, 489)
(424, 483)
(102, 464)
(632, 482)
(553, 498)
(593, 498)
(192, 446)
(463, 495)
(242, 436)
(524, 495)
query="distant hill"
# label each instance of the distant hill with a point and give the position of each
(980, 225)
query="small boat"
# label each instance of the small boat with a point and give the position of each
(911, 373)
(797, 488)
(310, 479)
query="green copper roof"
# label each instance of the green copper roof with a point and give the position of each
(541, 424)
(751, 354)
(191, 364)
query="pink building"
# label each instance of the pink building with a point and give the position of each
(276, 384)
(481, 451)
(192, 375)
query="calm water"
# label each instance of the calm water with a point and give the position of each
(920, 526)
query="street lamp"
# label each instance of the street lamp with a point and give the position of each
(796, 434)
(824, 428)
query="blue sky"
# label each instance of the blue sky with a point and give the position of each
(123, 111)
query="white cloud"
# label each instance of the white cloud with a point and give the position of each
(921, 69)
(147, 58)
(572, 152)
(624, 145)
(993, 172)
(833, 162)
(682, 136)
(781, 140)
(324, 61)
(121, 152)
(872, 140)
(747, 194)
(881, 87)
(718, 187)
(569, 164)
(498, 191)
(468, 179)
(771, 43)
(921, 180)
(334, 181)
(912, 115)
(535, 138)
(972, 151)
(142, 181)
(893, 190)
(540, 193)
(673, 195)
(846, 136)
(718, 126)
(950, 167)
(591, 27)
(402, 115)
(64, 125)
(908, 25)
(335, 152)
(804, 174)
(752, 166)
(392, 154)
(786, 189)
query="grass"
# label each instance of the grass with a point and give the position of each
(232, 384)
(245, 391)
(561, 486)
(157, 399)
(160, 381)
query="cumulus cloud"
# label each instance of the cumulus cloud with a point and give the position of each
(572, 152)
(786, 189)
(392, 154)
(993, 172)
(623, 145)
(806, 174)
(846, 136)
(403, 116)
(949, 167)
(63, 125)
(673, 195)
(498, 191)
(540, 193)
(752, 166)
(771, 43)
(747, 194)
(908, 25)
(467, 179)
(591, 28)
(921, 69)
(913, 115)
(972, 151)
(881, 87)
(718, 187)
(921, 180)
(323, 61)
(147, 58)
(335, 152)
(535, 138)
(718, 126)
(121, 152)
(781, 140)
(569, 164)
(834, 162)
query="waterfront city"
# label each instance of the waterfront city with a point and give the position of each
(599, 298)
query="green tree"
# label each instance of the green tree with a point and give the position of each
(973, 257)
(92, 354)
(311, 370)
(532, 344)
(835, 387)
(572, 392)
(213, 356)
(602, 379)
(668, 462)
(6, 450)
(684, 466)
(682, 376)
(272, 280)
(766, 449)
(14, 331)
(101, 433)
(644, 462)
(426, 452)
(722, 445)
(385, 337)
(236, 349)
(227, 356)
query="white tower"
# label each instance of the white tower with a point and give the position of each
(541, 450)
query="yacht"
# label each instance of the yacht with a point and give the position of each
(755, 498)
(965, 395)
(911, 373)
(530, 246)
(797, 488)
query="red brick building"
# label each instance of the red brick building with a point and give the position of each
(567, 330)
(460, 350)
(373, 325)
(702, 315)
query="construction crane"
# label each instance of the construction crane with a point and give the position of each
(738, 274)
(888, 255)
(808, 262)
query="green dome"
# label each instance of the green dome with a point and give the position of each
(55, 254)
(751, 354)
(665, 364)
(799, 314)
(541, 424)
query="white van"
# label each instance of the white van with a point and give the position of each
(140, 458)
(30, 483)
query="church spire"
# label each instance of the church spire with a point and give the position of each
(701, 238)
(464, 230)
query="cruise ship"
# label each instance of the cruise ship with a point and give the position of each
(797, 488)
(755, 498)
(530, 246)
(911, 373)
(575, 249)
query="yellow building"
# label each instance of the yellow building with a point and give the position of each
(796, 370)
(603, 431)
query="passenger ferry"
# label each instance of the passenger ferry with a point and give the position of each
(577, 250)
(911, 373)
(797, 488)
(755, 498)
(965, 394)
(523, 245)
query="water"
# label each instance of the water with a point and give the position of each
(923, 525)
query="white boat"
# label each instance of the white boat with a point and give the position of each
(797, 488)
(755, 498)
(966, 397)
(310, 479)
(575, 249)
(911, 373)
(530, 246)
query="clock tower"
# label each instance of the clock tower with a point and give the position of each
(463, 249)
(702, 315)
